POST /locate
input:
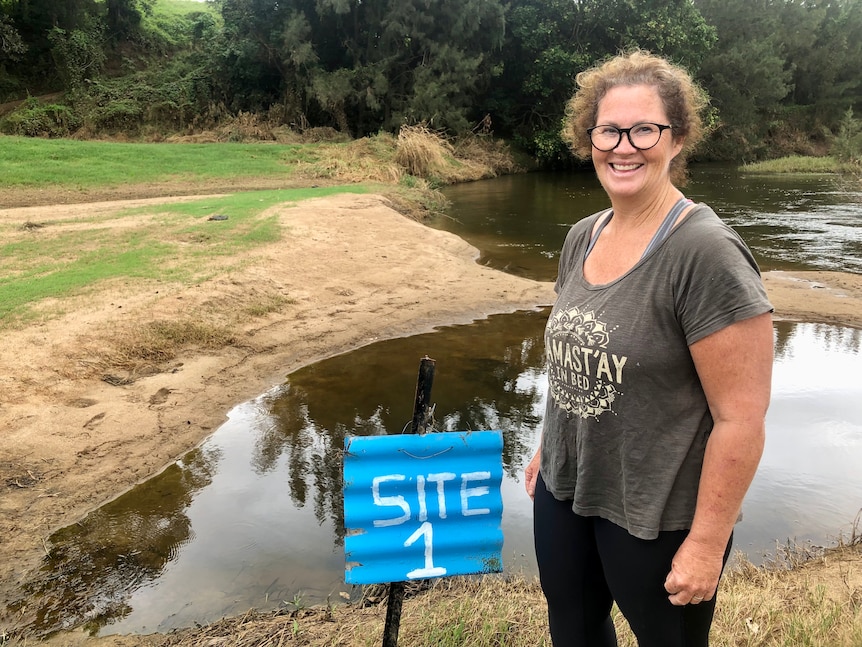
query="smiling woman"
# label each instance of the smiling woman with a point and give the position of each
(640, 477)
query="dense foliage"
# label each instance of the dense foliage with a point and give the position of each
(784, 75)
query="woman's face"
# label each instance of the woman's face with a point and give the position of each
(626, 172)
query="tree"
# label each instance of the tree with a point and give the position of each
(123, 19)
(550, 41)
(11, 45)
(32, 21)
(362, 65)
(78, 55)
(824, 54)
(746, 75)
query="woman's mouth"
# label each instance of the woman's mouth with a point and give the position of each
(625, 167)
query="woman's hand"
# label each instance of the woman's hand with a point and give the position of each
(694, 573)
(531, 473)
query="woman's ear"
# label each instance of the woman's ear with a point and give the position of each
(678, 143)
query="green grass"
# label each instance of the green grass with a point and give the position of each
(67, 256)
(176, 243)
(797, 164)
(37, 163)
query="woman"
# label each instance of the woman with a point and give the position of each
(659, 351)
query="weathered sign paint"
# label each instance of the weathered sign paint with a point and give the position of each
(422, 506)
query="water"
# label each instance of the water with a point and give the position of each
(809, 486)
(797, 222)
(252, 518)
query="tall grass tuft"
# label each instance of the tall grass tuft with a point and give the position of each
(423, 152)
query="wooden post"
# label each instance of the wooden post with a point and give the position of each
(421, 405)
(421, 418)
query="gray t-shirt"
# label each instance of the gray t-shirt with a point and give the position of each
(627, 420)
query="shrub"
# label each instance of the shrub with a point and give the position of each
(121, 115)
(35, 119)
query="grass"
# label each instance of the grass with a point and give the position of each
(176, 242)
(66, 257)
(801, 164)
(157, 342)
(45, 265)
(38, 163)
(418, 160)
(815, 603)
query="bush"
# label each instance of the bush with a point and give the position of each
(35, 119)
(122, 115)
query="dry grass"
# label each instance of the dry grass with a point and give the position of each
(130, 349)
(363, 160)
(161, 341)
(428, 154)
(417, 151)
(814, 602)
(804, 598)
(423, 152)
(492, 156)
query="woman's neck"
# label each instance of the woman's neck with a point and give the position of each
(639, 211)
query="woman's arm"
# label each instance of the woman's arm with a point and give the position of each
(735, 369)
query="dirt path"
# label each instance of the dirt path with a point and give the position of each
(350, 271)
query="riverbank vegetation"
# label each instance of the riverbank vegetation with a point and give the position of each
(801, 164)
(781, 75)
(407, 168)
(846, 157)
(804, 599)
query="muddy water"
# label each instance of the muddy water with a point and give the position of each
(252, 518)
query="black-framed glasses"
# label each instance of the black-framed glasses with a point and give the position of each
(642, 136)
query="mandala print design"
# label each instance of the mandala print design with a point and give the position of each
(583, 327)
(586, 331)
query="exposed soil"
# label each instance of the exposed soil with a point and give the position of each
(352, 270)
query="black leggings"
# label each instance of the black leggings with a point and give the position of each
(587, 563)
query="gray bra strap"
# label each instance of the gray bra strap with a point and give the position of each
(668, 223)
(595, 237)
(660, 234)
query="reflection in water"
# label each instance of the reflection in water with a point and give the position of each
(253, 517)
(93, 565)
(809, 483)
(265, 524)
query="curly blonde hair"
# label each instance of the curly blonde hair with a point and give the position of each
(683, 100)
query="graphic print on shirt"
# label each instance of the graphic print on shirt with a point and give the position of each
(584, 377)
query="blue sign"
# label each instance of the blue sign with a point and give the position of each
(422, 506)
